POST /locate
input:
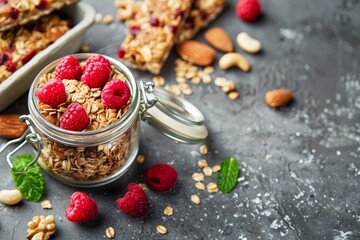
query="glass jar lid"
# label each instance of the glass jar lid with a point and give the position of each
(175, 117)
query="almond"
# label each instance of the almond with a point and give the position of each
(278, 97)
(219, 39)
(11, 127)
(196, 53)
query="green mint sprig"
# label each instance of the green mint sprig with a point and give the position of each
(228, 175)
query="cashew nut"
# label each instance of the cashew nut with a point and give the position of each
(234, 59)
(10, 197)
(247, 43)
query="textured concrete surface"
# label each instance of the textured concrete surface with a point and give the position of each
(300, 165)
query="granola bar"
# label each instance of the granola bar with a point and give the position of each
(19, 12)
(19, 45)
(152, 33)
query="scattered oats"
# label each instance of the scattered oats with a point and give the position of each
(85, 48)
(143, 186)
(161, 229)
(190, 75)
(196, 80)
(187, 91)
(233, 95)
(168, 211)
(198, 177)
(216, 168)
(159, 81)
(203, 149)
(180, 79)
(108, 19)
(46, 204)
(110, 232)
(200, 185)
(220, 81)
(98, 17)
(207, 171)
(206, 79)
(140, 159)
(212, 187)
(202, 163)
(195, 199)
(209, 69)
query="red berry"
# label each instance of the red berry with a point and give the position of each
(42, 5)
(121, 53)
(248, 10)
(3, 2)
(161, 177)
(13, 13)
(10, 66)
(154, 22)
(29, 56)
(98, 58)
(68, 68)
(96, 75)
(115, 94)
(135, 29)
(173, 28)
(52, 93)
(82, 208)
(74, 118)
(3, 58)
(135, 202)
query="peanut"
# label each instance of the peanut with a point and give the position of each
(247, 43)
(234, 60)
(10, 197)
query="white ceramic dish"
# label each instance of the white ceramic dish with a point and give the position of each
(82, 16)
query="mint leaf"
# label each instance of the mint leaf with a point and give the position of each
(228, 175)
(31, 183)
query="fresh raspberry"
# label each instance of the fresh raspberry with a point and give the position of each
(74, 118)
(42, 5)
(161, 177)
(13, 13)
(154, 22)
(52, 93)
(10, 66)
(96, 75)
(29, 56)
(121, 53)
(135, 202)
(82, 208)
(115, 94)
(98, 58)
(248, 10)
(68, 68)
(134, 29)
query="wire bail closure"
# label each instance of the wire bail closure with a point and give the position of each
(30, 136)
(148, 99)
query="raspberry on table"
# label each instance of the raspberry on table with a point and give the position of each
(135, 203)
(98, 58)
(115, 94)
(121, 53)
(248, 10)
(82, 208)
(52, 92)
(96, 75)
(68, 68)
(74, 118)
(161, 177)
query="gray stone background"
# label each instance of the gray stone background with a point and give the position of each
(300, 165)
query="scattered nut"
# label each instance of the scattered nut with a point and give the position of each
(41, 227)
(219, 39)
(196, 52)
(46, 204)
(168, 211)
(195, 199)
(198, 177)
(247, 43)
(212, 187)
(234, 60)
(159, 81)
(233, 95)
(278, 97)
(161, 229)
(203, 149)
(110, 232)
(98, 17)
(10, 197)
(216, 168)
(108, 19)
(207, 171)
(140, 159)
(202, 163)
(200, 185)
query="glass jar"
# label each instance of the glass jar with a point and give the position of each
(97, 157)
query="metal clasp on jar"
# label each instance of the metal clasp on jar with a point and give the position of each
(29, 136)
(148, 99)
